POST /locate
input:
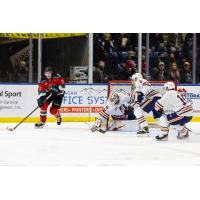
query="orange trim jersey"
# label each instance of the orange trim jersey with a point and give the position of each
(142, 85)
(173, 101)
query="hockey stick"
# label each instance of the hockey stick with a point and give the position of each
(12, 129)
(195, 133)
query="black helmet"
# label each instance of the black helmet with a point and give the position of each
(48, 69)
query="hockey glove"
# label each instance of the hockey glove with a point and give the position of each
(42, 100)
(54, 90)
(140, 96)
(157, 113)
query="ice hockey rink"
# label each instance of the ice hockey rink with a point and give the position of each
(75, 145)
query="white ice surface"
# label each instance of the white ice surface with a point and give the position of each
(74, 144)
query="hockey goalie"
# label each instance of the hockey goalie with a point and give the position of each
(176, 112)
(118, 108)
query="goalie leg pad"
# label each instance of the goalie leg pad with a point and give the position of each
(123, 125)
(96, 125)
(100, 125)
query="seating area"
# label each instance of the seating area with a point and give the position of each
(116, 55)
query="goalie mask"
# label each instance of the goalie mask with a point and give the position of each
(114, 99)
(169, 86)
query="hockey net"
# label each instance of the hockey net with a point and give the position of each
(126, 86)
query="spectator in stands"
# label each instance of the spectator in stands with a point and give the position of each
(155, 40)
(144, 65)
(126, 70)
(174, 74)
(129, 69)
(99, 75)
(159, 73)
(186, 74)
(162, 47)
(170, 48)
(187, 47)
(171, 59)
(131, 55)
(175, 40)
(179, 40)
(122, 42)
(22, 71)
(107, 43)
(159, 59)
(179, 57)
(171, 40)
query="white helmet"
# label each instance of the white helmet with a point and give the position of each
(136, 76)
(169, 86)
(114, 98)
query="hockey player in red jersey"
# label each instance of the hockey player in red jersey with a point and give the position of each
(51, 91)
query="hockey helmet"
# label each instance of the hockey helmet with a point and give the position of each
(48, 69)
(114, 99)
(169, 86)
(136, 76)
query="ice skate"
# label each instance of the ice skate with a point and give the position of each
(94, 128)
(182, 136)
(39, 125)
(102, 131)
(59, 120)
(144, 131)
(162, 138)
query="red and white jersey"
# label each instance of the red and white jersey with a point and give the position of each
(46, 85)
(142, 85)
(173, 101)
(117, 111)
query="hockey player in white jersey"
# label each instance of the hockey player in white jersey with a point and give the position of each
(117, 107)
(145, 99)
(176, 112)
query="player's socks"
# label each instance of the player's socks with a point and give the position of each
(58, 117)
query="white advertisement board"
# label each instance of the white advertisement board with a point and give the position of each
(79, 100)
(17, 100)
(192, 94)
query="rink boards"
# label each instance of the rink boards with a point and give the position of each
(81, 102)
